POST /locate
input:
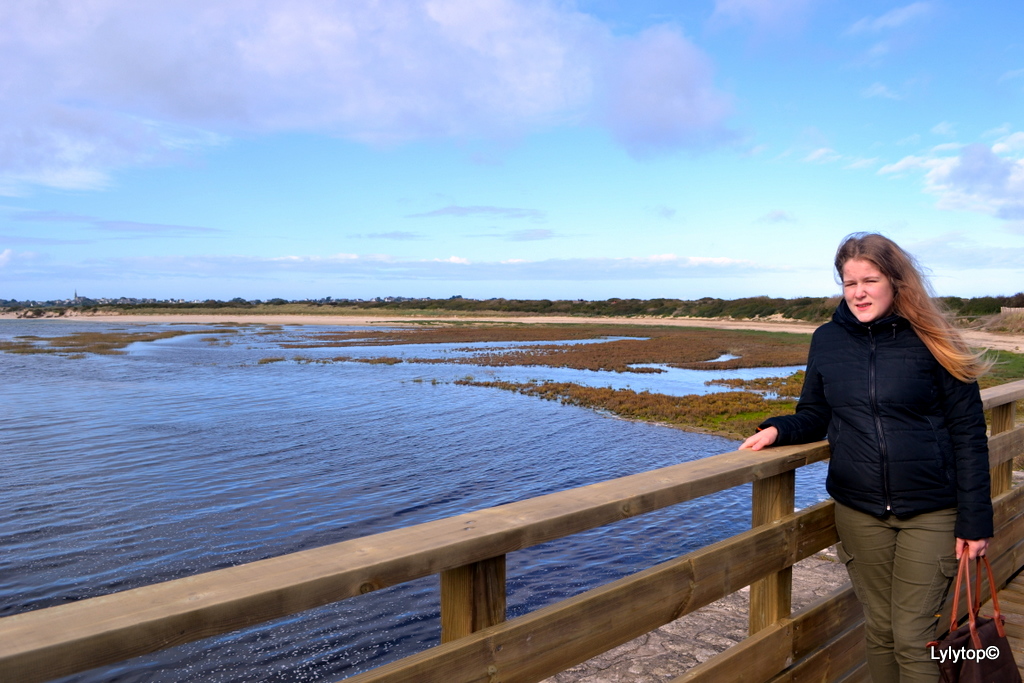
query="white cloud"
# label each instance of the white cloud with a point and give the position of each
(908, 163)
(5, 257)
(892, 19)
(109, 84)
(980, 178)
(660, 95)
(944, 128)
(1010, 143)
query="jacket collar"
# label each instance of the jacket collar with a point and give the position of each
(845, 318)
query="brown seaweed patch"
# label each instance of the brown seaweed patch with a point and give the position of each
(779, 386)
(688, 348)
(77, 344)
(380, 360)
(733, 414)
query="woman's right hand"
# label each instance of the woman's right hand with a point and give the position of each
(763, 439)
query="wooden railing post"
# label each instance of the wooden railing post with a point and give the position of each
(770, 598)
(1002, 421)
(472, 598)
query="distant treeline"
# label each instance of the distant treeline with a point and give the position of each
(812, 309)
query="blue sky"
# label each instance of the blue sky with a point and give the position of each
(504, 148)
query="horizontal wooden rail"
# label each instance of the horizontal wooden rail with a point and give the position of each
(57, 641)
(544, 642)
(1002, 394)
(822, 631)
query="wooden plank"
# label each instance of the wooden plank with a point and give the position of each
(831, 661)
(859, 674)
(549, 640)
(806, 631)
(1003, 447)
(1004, 393)
(764, 655)
(755, 660)
(771, 597)
(69, 638)
(472, 598)
(1002, 421)
(824, 619)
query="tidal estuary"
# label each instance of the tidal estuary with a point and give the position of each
(187, 454)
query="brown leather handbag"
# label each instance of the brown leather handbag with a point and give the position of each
(978, 651)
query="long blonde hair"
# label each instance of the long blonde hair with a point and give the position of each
(913, 300)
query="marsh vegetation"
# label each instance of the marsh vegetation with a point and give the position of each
(78, 344)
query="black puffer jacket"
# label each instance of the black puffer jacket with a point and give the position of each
(906, 436)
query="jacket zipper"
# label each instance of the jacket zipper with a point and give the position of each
(873, 397)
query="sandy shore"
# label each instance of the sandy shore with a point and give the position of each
(976, 338)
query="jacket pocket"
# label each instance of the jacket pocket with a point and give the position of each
(835, 427)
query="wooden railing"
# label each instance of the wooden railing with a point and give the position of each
(468, 551)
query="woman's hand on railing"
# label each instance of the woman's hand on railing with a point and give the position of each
(974, 548)
(763, 439)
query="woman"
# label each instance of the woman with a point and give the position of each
(892, 385)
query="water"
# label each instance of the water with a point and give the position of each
(187, 455)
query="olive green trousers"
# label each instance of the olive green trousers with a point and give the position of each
(901, 571)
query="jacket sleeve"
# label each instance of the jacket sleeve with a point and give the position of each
(813, 413)
(965, 420)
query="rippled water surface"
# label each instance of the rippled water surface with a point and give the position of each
(188, 455)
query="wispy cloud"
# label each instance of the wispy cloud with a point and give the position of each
(385, 268)
(766, 16)
(777, 216)
(397, 235)
(52, 217)
(1011, 75)
(531, 235)
(665, 212)
(892, 19)
(125, 227)
(862, 163)
(136, 228)
(983, 178)
(19, 239)
(879, 90)
(823, 155)
(944, 128)
(489, 211)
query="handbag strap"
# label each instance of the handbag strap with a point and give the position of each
(964, 570)
(997, 616)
